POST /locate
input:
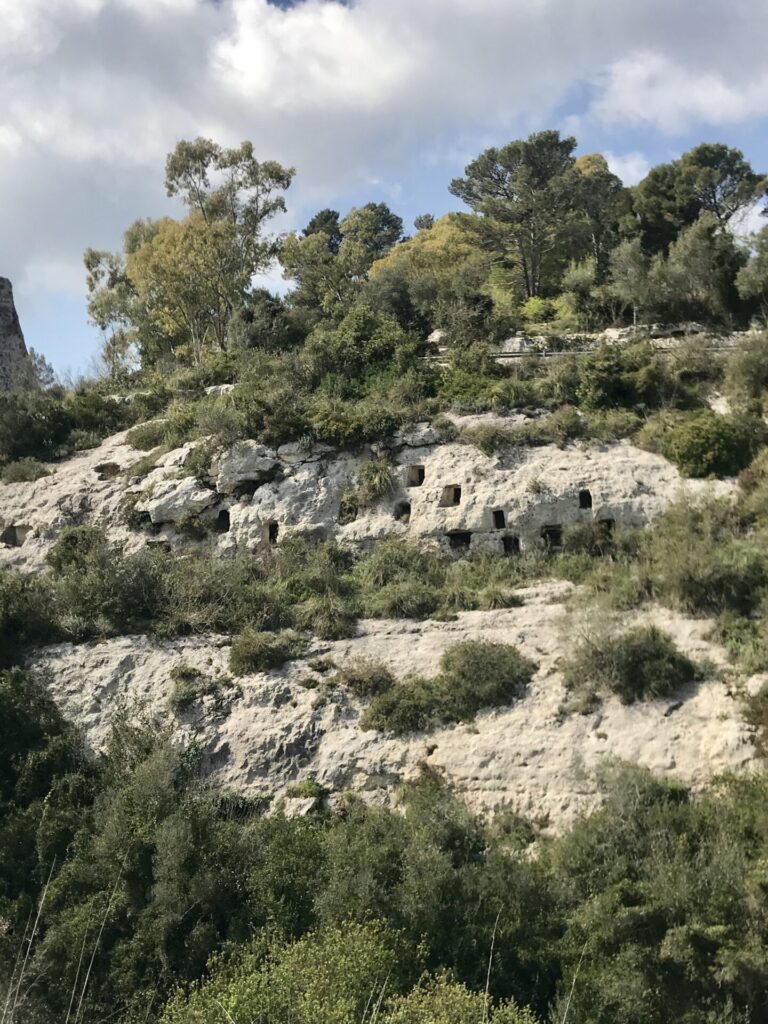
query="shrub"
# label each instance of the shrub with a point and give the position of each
(474, 675)
(756, 714)
(328, 616)
(405, 600)
(365, 678)
(261, 652)
(637, 664)
(189, 685)
(23, 471)
(307, 788)
(27, 613)
(704, 443)
(593, 539)
(375, 480)
(696, 558)
(191, 526)
(147, 436)
(746, 374)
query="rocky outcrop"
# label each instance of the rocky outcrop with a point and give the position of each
(264, 732)
(447, 494)
(14, 364)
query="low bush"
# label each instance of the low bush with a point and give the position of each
(375, 480)
(189, 685)
(473, 675)
(261, 652)
(23, 471)
(308, 789)
(147, 436)
(191, 526)
(704, 443)
(365, 678)
(638, 664)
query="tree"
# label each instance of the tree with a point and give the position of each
(628, 268)
(663, 205)
(525, 197)
(174, 287)
(697, 278)
(424, 222)
(231, 186)
(710, 178)
(188, 278)
(327, 222)
(331, 260)
(752, 279)
(602, 201)
(720, 180)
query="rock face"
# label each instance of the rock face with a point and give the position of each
(13, 351)
(446, 494)
(262, 733)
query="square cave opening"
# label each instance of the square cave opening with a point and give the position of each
(585, 498)
(511, 545)
(451, 496)
(459, 540)
(415, 476)
(403, 511)
(499, 519)
(552, 536)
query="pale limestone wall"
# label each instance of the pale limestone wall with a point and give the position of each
(294, 491)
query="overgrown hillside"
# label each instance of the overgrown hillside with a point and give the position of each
(396, 648)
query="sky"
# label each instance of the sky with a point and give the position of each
(370, 100)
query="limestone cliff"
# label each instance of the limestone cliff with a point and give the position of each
(13, 352)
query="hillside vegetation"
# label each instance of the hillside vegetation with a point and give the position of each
(130, 890)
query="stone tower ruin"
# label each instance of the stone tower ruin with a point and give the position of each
(14, 365)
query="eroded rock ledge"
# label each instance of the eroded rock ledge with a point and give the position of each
(261, 733)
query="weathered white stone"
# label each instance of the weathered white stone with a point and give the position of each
(270, 731)
(245, 463)
(220, 389)
(171, 500)
(300, 490)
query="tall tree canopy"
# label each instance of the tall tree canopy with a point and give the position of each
(535, 205)
(174, 288)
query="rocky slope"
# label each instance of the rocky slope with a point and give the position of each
(262, 733)
(449, 494)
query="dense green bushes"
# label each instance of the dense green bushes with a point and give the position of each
(705, 444)
(655, 904)
(634, 664)
(475, 674)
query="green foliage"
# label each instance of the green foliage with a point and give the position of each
(189, 685)
(473, 675)
(146, 436)
(327, 978)
(365, 678)
(261, 652)
(637, 664)
(706, 444)
(191, 526)
(307, 788)
(23, 471)
(375, 480)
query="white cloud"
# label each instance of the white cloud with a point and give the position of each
(95, 93)
(653, 89)
(631, 167)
